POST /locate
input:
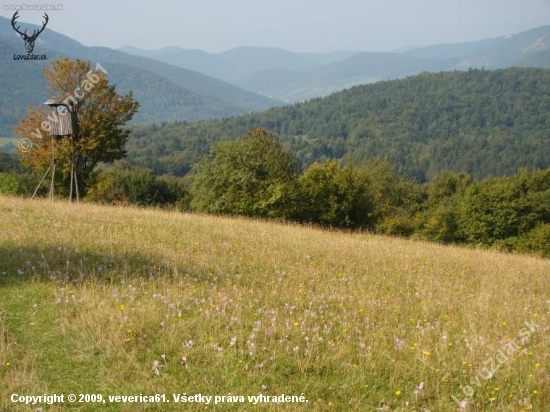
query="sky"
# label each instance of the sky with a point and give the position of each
(296, 25)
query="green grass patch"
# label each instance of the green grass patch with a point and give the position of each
(126, 301)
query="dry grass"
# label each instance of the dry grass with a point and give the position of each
(92, 296)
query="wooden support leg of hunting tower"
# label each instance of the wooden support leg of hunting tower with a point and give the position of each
(52, 184)
(39, 184)
(76, 186)
(72, 180)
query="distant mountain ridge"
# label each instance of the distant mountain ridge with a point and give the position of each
(165, 92)
(237, 64)
(291, 76)
(498, 52)
(244, 79)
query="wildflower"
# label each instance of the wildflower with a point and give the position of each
(463, 404)
(233, 341)
(183, 361)
(163, 356)
(419, 388)
(398, 343)
(156, 366)
(397, 393)
(8, 364)
(264, 387)
(426, 353)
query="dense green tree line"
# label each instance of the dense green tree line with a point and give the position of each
(257, 176)
(480, 122)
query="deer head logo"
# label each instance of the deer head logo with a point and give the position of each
(29, 40)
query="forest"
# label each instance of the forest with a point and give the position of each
(482, 122)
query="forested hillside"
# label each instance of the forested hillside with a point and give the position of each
(481, 122)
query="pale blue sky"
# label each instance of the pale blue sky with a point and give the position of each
(298, 25)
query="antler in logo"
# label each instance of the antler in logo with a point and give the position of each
(29, 40)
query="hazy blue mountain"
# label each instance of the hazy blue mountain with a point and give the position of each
(23, 84)
(166, 92)
(288, 85)
(499, 52)
(539, 59)
(327, 58)
(286, 76)
(193, 81)
(360, 68)
(232, 66)
(290, 80)
(526, 49)
(263, 70)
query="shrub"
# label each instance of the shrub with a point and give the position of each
(9, 184)
(335, 196)
(250, 176)
(137, 187)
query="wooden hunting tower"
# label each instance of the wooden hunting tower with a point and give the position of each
(63, 122)
(67, 120)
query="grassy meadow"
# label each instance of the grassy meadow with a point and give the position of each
(127, 301)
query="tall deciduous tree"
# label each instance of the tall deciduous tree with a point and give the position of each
(101, 111)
